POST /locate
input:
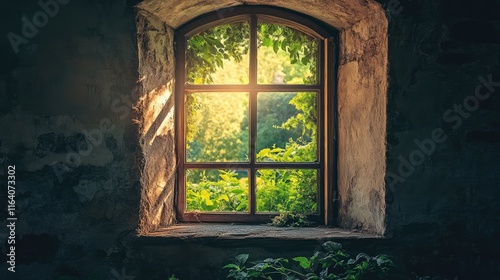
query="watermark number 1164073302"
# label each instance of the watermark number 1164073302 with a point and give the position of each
(11, 218)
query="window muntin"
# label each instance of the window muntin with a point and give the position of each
(255, 169)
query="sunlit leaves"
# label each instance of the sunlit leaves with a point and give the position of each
(228, 44)
(286, 190)
(217, 123)
(300, 49)
(217, 131)
(273, 109)
(208, 50)
(217, 190)
(303, 261)
(277, 190)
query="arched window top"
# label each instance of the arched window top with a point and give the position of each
(252, 37)
(303, 23)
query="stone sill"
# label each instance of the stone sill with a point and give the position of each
(223, 235)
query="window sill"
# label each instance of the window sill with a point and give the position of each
(249, 235)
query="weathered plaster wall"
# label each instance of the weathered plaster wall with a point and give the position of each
(362, 97)
(156, 122)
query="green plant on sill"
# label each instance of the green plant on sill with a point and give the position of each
(332, 262)
(291, 219)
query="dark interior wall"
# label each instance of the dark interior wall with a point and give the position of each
(74, 80)
(446, 202)
(442, 55)
(66, 124)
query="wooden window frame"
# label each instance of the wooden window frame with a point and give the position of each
(327, 113)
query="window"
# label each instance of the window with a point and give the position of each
(254, 110)
(360, 88)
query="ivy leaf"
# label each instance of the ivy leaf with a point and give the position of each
(241, 206)
(362, 255)
(267, 42)
(288, 152)
(331, 246)
(237, 191)
(303, 262)
(242, 259)
(263, 153)
(213, 50)
(283, 45)
(276, 46)
(224, 197)
(214, 41)
(277, 150)
(232, 266)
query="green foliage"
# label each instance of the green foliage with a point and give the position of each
(218, 131)
(305, 103)
(331, 262)
(301, 49)
(290, 219)
(286, 190)
(207, 51)
(274, 109)
(193, 107)
(217, 47)
(225, 193)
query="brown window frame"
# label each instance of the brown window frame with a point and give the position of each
(326, 133)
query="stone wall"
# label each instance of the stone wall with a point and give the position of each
(156, 122)
(75, 97)
(66, 111)
(441, 56)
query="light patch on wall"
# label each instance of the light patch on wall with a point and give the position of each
(158, 113)
(166, 125)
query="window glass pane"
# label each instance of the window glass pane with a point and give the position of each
(286, 55)
(287, 127)
(219, 55)
(293, 190)
(217, 127)
(217, 190)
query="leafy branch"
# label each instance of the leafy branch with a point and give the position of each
(331, 262)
